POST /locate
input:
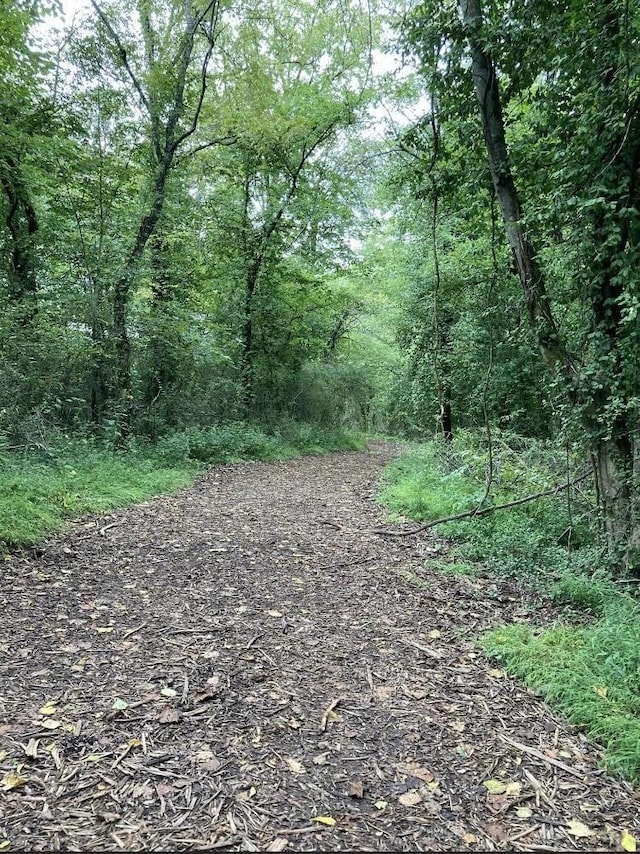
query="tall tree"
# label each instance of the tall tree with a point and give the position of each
(555, 85)
(168, 71)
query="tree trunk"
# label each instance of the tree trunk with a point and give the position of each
(615, 458)
(22, 223)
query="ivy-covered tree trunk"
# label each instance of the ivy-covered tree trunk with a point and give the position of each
(610, 423)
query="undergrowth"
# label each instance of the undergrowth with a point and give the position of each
(590, 671)
(40, 487)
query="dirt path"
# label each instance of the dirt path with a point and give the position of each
(225, 667)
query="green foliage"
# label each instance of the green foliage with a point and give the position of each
(37, 492)
(591, 673)
(435, 481)
(241, 441)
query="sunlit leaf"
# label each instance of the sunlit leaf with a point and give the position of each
(410, 798)
(324, 819)
(168, 692)
(628, 842)
(12, 781)
(294, 765)
(48, 709)
(577, 828)
(496, 787)
(524, 812)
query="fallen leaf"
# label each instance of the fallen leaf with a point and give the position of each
(381, 805)
(50, 724)
(320, 759)
(119, 704)
(104, 630)
(628, 842)
(168, 692)
(577, 828)
(417, 771)
(524, 812)
(410, 799)
(274, 613)
(498, 832)
(31, 748)
(458, 726)
(295, 766)
(469, 838)
(48, 709)
(435, 634)
(496, 803)
(513, 790)
(170, 716)
(4, 845)
(324, 819)
(496, 787)
(497, 674)
(356, 789)
(278, 844)
(12, 781)
(600, 690)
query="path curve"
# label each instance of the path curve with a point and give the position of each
(244, 666)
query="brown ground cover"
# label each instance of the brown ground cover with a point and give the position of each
(246, 666)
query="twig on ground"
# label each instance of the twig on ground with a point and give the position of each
(542, 756)
(325, 715)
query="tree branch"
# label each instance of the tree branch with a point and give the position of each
(468, 514)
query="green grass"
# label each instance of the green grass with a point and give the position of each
(37, 496)
(40, 490)
(590, 672)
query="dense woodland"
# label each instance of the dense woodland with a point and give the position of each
(403, 220)
(228, 223)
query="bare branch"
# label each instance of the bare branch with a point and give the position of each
(472, 514)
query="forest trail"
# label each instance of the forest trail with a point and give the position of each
(242, 664)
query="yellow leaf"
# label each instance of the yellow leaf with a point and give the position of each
(497, 674)
(524, 812)
(577, 828)
(4, 845)
(496, 787)
(469, 838)
(513, 789)
(435, 634)
(104, 630)
(12, 781)
(628, 841)
(324, 819)
(48, 709)
(600, 690)
(381, 805)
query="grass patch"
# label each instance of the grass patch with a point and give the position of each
(590, 672)
(40, 489)
(36, 496)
